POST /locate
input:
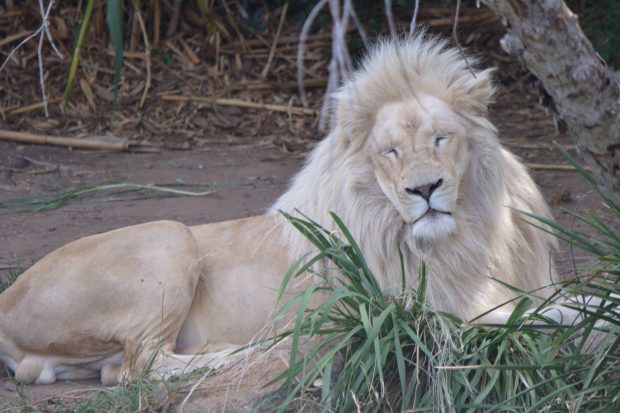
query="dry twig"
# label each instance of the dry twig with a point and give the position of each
(552, 167)
(390, 18)
(10, 39)
(414, 18)
(272, 51)
(301, 48)
(456, 38)
(340, 63)
(25, 137)
(34, 106)
(44, 32)
(147, 54)
(241, 103)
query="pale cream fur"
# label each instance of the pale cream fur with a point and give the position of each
(159, 293)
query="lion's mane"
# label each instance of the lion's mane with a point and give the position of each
(493, 242)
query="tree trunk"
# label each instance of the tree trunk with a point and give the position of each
(546, 37)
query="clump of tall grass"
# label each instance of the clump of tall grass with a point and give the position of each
(138, 395)
(368, 351)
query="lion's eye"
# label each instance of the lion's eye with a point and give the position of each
(440, 140)
(391, 153)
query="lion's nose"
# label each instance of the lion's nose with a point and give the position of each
(425, 191)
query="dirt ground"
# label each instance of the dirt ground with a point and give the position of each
(247, 156)
(246, 181)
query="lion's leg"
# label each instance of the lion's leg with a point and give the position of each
(110, 374)
(33, 369)
(172, 364)
(161, 362)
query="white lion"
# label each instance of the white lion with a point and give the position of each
(412, 161)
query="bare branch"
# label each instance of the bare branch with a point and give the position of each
(416, 9)
(456, 38)
(303, 37)
(42, 31)
(360, 28)
(390, 18)
(147, 53)
(272, 50)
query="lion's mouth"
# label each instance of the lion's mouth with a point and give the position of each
(432, 212)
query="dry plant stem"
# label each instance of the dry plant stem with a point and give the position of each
(191, 55)
(272, 51)
(390, 18)
(42, 31)
(546, 37)
(218, 44)
(233, 23)
(286, 40)
(45, 31)
(552, 167)
(14, 37)
(147, 53)
(341, 51)
(23, 137)
(174, 20)
(240, 103)
(73, 143)
(34, 106)
(156, 22)
(340, 63)
(88, 93)
(455, 35)
(301, 48)
(360, 28)
(309, 83)
(476, 20)
(414, 19)
(98, 18)
(135, 29)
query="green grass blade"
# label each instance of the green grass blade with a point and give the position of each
(422, 280)
(357, 253)
(88, 11)
(400, 360)
(297, 333)
(115, 26)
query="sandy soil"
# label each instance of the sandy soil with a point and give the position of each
(246, 179)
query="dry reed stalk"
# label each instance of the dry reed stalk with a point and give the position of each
(294, 110)
(147, 52)
(272, 51)
(25, 137)
(552, 167)
(34, 106)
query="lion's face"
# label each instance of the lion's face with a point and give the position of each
(420, 153)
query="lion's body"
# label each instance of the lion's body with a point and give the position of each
(105, 300)
(412, 162)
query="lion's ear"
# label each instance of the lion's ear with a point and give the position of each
(475, 94)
